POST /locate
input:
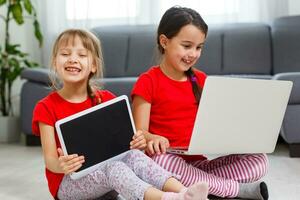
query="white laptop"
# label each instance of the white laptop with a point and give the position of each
(238, 115)
(100, 133)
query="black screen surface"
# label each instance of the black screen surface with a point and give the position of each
(99, 135)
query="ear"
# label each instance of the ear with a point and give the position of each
(94, 68)
(163, 40)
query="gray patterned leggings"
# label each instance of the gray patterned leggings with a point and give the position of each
(131, 176)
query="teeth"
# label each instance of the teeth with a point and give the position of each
(72, 69)
(187, 61)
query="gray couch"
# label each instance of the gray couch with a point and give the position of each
(253, 50)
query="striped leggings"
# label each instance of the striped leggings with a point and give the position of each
(222, 174)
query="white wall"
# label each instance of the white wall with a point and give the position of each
(294, 7)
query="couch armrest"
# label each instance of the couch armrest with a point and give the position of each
(36, 75)
(34, 89)
(295, 78)
(290, 125)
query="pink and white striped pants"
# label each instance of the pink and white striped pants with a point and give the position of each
(222, 174)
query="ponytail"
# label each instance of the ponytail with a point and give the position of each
(196, 89)
(93, 96)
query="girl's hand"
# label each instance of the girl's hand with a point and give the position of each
(157, 145)
(138, 141)
(69, 163)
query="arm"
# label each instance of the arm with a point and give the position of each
(55, 161)
(141, 114)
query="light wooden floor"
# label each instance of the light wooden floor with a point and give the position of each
(22, 174)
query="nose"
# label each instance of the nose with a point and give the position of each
(73, 58)
(193, 53)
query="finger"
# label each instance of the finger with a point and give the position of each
(75, 168)
(163, 146)
(75, 160)
(60, 152)
(65, 161)
(133, 137)
(156, 147)
(77, 163)
(150, 147)
(140, 144)
(138, 139)
(134, 142)
(138, 134)
(71, 166)
(167, 144)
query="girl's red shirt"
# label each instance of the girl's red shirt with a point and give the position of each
(173, 105)
(53, 108)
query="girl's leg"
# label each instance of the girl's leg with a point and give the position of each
(126, 183)
(89, 187)
(189, 174)
(149, 171)
(118, 176)
(243, 168)
(114, 175)
(122, 179)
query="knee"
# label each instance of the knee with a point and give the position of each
(261, 166)
(114, 167)
(170, 162)
(264, 162)
(135, 153)
(166, 157)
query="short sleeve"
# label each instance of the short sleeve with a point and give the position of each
(143, 88)
(106, 95)
(201, 76)
(42, 114)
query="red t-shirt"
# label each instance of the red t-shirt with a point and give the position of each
(173, 104)
(53, 108)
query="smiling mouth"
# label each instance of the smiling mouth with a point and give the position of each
(72, 69)
(187, 61)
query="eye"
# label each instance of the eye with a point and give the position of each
(64, 54)
(186, 46)
(82, 54)
(200, 47)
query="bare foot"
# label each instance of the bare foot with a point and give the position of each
(198, 191)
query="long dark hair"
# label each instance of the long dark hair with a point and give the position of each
(171, 23)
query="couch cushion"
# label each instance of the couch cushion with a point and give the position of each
(286, 44)
(211, 59)
(119, 86)
(31, 93)
(290, 125)
(39, 75)
(247, 49)
(114, 47)
(141, 53)
(295, 78)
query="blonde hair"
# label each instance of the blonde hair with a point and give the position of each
(92, 44)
